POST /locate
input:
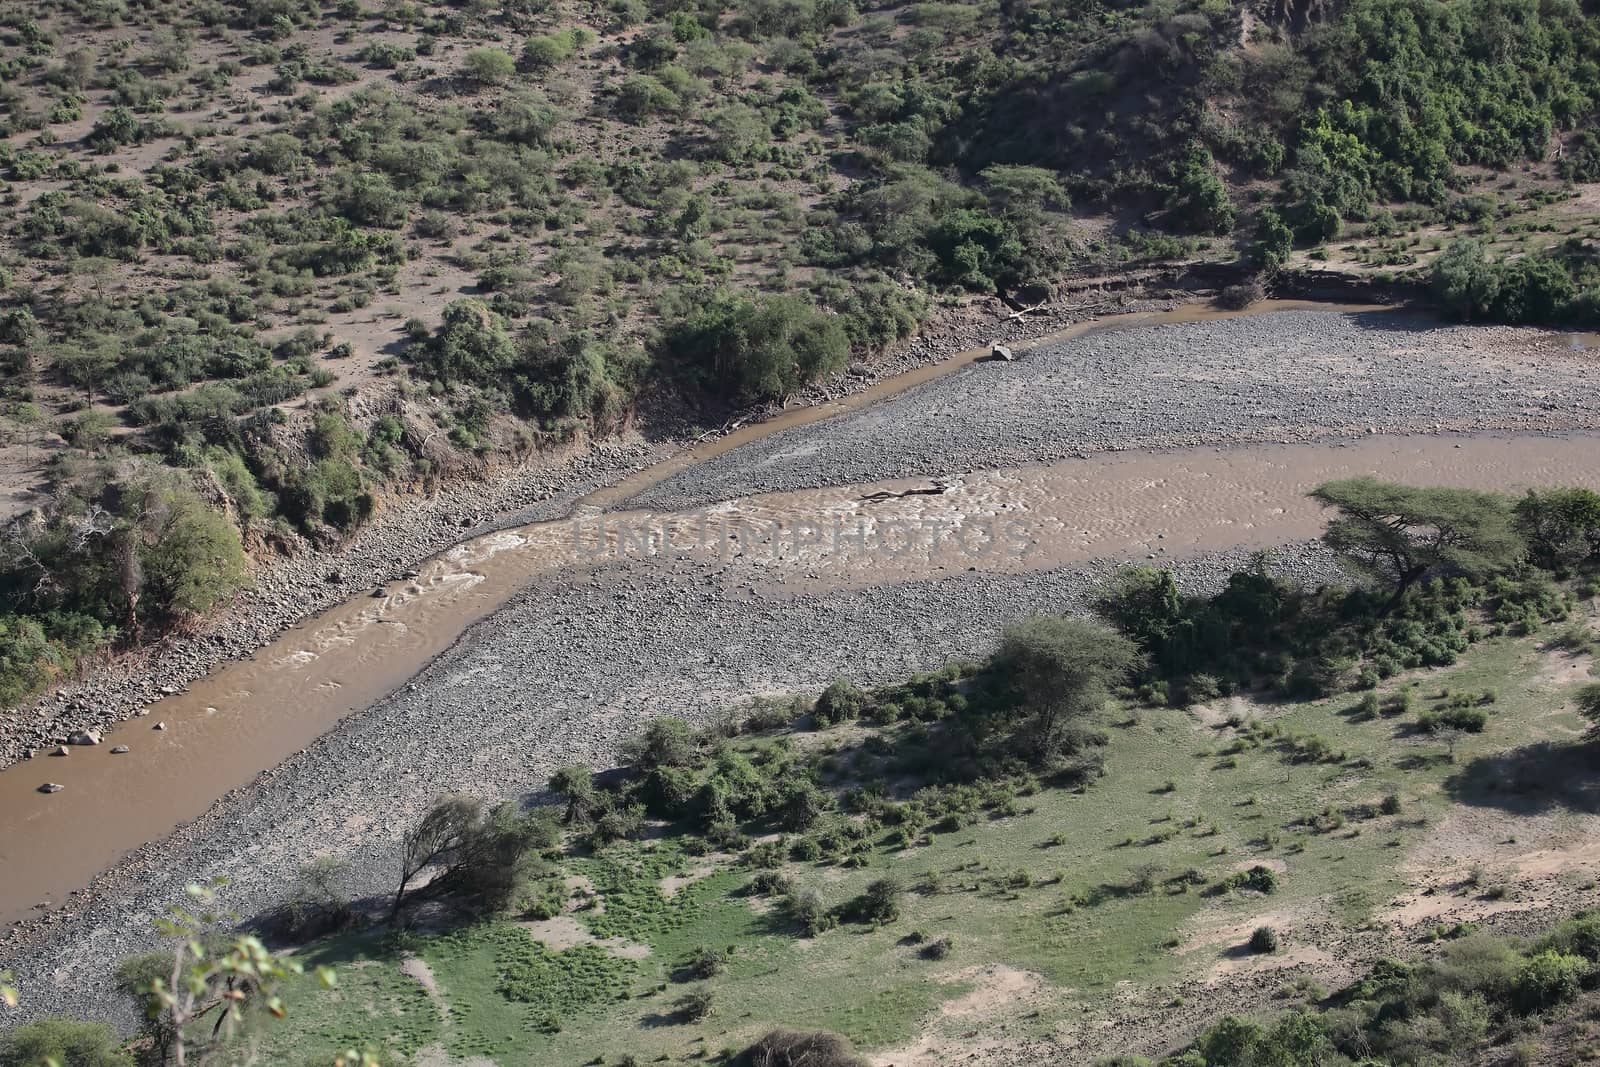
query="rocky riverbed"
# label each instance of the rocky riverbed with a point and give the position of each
(411, 529)
(1290, 376)
(579, 659)
(564, 674)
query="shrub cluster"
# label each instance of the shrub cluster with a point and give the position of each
(1479, 991)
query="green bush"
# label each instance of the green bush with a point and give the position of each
(761, 347)
(806, 909)
(1264, 939)
(977, 250)
(705, 963)
(696, 1006)
(1577, 936)
(666, 741)
(840, 702)
(1468, 720)
(65, 1041)
(117, 127)
(194, 560)
(1273, 241)
(549, 50)
(641, 97)
(1547, 979)
(1199, 200)
(488, 66)
(33, 657)
(878, 903)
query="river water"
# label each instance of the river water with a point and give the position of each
(250, 715)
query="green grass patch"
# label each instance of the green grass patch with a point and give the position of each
(1086, 889)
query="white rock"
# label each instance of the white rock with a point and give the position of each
(88, 737)
(117, 750)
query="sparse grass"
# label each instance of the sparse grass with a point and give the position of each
(1109, 915)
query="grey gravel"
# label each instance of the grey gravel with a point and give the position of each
(1289, 376)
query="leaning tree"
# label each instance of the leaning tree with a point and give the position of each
(1400, 534)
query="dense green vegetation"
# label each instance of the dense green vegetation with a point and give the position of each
(1562, 284)
(63, 1041)
(1449, 568)
(204, 211)
(125, 555)
(1481, 988)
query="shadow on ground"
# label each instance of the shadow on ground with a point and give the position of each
(1535, 778)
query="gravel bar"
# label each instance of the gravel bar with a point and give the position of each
(1284, 377)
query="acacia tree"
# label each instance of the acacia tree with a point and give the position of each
(1400, 534)
(1060, 672)
(435, 840)
(485, 855)
(575, 783)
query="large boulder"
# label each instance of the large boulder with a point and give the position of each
(87, 737)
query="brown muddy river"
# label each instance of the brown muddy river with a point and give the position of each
(250, 715)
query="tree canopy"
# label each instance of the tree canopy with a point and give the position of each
(758, 347)
(1060, 671)
(1400, 534)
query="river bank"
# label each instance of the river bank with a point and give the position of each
(412, 529)
(581, 657)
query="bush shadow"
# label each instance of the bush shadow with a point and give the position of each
(1535, 778)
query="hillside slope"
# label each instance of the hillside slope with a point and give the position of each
(264, 264)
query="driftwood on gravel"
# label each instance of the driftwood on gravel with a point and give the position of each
(1039, 307)
(1055, 309)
